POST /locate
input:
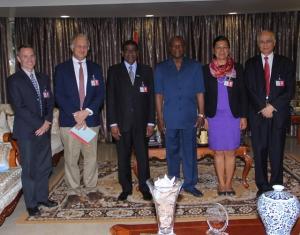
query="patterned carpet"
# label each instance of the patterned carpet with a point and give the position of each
(102, 205)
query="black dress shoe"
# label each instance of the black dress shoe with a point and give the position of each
(147, 196)
(123, 196)
(48, 203)
(223, 193)
(195, 192)
(34, 211)
(230, 193)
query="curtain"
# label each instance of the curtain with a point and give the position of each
(51, 37)
(4, 68)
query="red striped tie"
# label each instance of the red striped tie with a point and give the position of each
(267, 76)
(81, 85)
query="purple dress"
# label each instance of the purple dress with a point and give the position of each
(223, 128)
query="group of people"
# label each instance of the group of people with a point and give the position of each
(220, 96)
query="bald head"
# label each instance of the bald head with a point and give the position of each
(266, 42)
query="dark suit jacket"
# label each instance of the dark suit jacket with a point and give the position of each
(126, 105)
(24, 101)
(67, 95)
(237, 93)
(280, 96)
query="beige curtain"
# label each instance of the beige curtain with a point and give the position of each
(51, 37)
(4, 68)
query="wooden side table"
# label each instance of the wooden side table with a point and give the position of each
(295, 120)
(202, 152)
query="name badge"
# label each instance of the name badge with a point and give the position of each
(46, 94)
(280, 83)
(143, 88)
(94, 81)
(228, 83)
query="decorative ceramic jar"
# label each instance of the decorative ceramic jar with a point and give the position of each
(278, 210)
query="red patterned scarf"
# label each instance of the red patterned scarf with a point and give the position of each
(219, 71)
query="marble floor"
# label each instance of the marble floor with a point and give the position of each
(105, 152)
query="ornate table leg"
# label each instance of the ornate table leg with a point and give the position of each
(242, 152)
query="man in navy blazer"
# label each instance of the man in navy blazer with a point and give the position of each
(32, 101)
(270, 81)
(79, 94)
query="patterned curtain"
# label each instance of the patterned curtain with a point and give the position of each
(4, 68)
(51, 37)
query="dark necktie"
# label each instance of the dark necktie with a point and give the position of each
(267, 76)
(81, 85)
(131, 74)
(37, 89)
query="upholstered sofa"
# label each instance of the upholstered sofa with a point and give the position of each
(10, 170)
(10, 179)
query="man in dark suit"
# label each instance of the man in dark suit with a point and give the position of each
(130, 115)
(79, 94)
(270, 80)
(32, 101)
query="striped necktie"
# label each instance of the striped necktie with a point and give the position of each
(37, 89)
(131, 74)
(81, 85)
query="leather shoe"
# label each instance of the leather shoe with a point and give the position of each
(195, 192)
(34, 211)
(223, 193)
(49, 203)
(123, 196)
(230, 193)
(147, 196)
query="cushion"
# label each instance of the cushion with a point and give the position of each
(55, 124)
(4, 156)
(10, 122)
(56, 144)
(3, 126)
(10, 185)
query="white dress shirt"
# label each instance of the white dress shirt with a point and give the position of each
(76, 68)
(270, 60)
(85, 76)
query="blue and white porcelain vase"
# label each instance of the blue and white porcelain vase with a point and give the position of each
(278, 210)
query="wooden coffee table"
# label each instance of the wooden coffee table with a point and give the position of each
(202, 152)
(236, 227)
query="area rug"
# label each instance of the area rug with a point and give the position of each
(102, 205)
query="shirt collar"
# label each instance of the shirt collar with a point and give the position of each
(134, 65)
(76, 61)
(28, 73)
(270, 56)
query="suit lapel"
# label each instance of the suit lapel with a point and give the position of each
(261, 73)
(27, 80)
(125, 74)
(275, 67)
(90, 76)
(137, 75)
(72, 80)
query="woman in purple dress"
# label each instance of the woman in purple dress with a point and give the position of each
(225, 109)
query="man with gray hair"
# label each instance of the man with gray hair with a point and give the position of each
(270, 80)
(79, 94)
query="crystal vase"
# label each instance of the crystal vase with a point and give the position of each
(165, 203)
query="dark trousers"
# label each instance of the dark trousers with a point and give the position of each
(268, 143)
(136, 140)
(181, 145)
(36, 165)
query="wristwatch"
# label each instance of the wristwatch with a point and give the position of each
(201, 115)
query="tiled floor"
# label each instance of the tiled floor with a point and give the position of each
(106, 152)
